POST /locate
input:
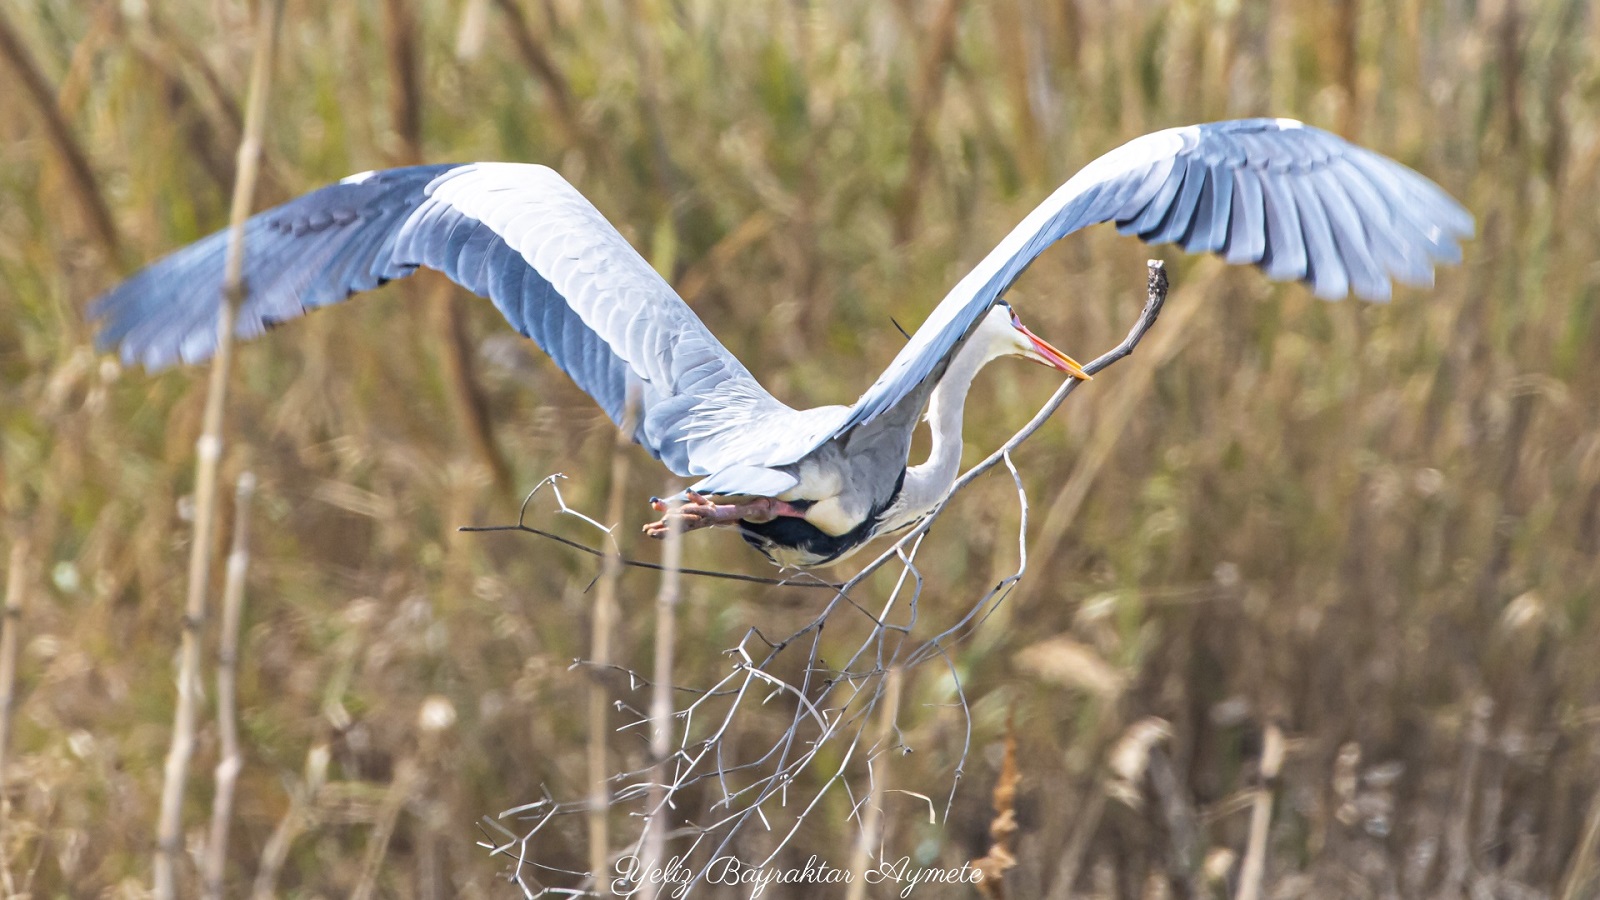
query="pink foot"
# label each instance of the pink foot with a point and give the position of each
(698, 512)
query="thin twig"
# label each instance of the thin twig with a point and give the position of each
(654, 567)
(169, 829)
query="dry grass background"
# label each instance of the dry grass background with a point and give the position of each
(1374, 527)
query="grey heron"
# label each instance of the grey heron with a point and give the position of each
(806, 487)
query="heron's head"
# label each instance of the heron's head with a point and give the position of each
(1007, 336)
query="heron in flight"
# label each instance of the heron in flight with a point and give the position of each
(806, 487)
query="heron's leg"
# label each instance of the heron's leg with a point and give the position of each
(698, 512)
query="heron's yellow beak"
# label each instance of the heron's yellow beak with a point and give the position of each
(1042, 352)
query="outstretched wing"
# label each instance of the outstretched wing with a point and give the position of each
(517, 234)
(1297, 202)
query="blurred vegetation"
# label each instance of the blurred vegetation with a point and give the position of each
(1375, 526)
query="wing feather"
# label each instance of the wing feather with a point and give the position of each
(1209, 233)
(517, 234)
(1352, 236)
(1287, 260)
(1151, 213)
(1271, 192)
(1325, 268)
(1180, 217)
(1247, 234)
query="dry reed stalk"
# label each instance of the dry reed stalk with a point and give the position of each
(16, 584)
(1458, 849)
(738, 241)
(406, 776)
(604, 623)
(208, 449)
(667, 599)
(405, 98)
(871, 835)
(668, 177)
(924, 105)
(1255, 854)
(470, 403)
(1014, 28)
(1178, 815)
(1003, 828)
(474, 24)
(545, 71)
(190, 81)
(228, 767)
(164, 42)
(42, 97)
(1342, 43)
(1108, 725)
(302, 806)
(1580, 868)
(1077, 849)
(405, 112)
(75, 82)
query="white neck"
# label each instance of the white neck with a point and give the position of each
(927, 484)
